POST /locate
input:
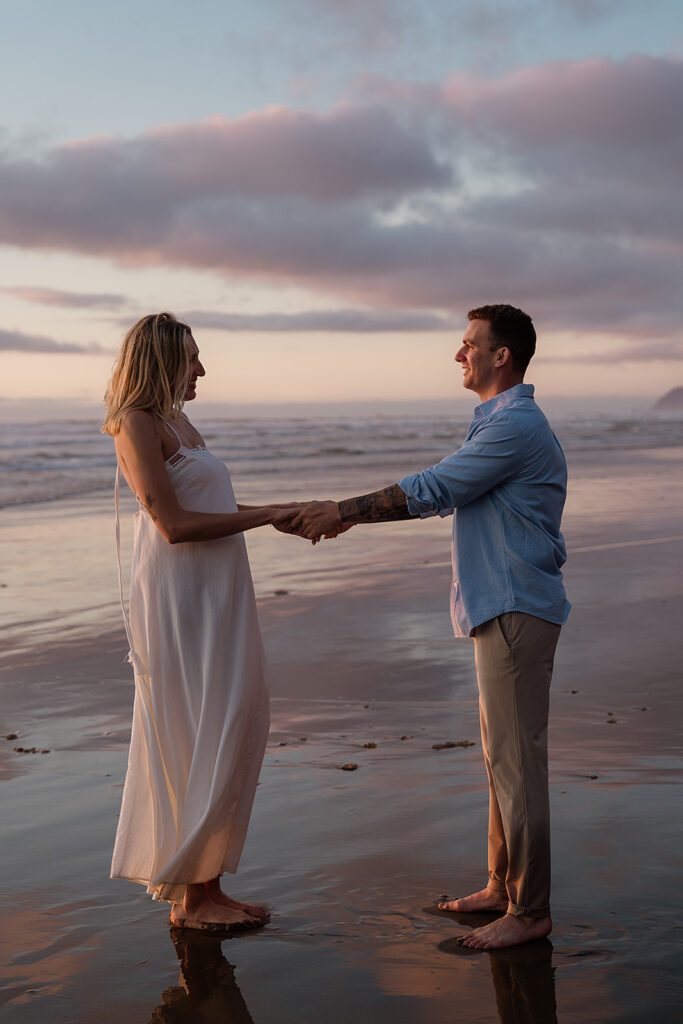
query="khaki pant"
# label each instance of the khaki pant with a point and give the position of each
(514, 657)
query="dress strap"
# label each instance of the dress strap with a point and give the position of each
(171, 427)
(133, 658)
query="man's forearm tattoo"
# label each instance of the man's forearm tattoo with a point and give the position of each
(385, 506)
(149, 501)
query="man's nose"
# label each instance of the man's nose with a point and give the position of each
(460, 355)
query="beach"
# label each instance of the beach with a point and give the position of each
(364, 672)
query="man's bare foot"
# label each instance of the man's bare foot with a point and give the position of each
(216, 895)
(209, 916)
(485, 899)
(508, 930)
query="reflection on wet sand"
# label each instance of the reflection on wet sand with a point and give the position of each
(523, 980)
(207, 992)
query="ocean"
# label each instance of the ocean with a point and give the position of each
(58, 577)
(50, 461)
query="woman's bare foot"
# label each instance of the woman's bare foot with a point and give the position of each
(508, 930)
(485, 899)
(211, 917)
(216, 894)
(200, 910)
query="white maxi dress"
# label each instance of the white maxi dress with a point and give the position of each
(200, 719)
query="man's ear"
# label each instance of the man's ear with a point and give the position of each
(503, 355)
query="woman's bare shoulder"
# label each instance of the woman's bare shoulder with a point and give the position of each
(141, 430)
(139, 422)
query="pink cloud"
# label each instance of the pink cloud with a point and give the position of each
(613, 103)
(17, 341)
(328, 320)
(369, 205)
(67, 300)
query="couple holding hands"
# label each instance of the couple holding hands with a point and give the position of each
(200, 719)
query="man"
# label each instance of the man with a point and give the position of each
(506, 488)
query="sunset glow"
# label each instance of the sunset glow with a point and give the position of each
(326, 224)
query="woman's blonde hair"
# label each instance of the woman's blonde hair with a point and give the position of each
(151, 371)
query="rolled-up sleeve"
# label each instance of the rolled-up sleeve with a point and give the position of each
(491, 455)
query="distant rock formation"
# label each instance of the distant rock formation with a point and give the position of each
(672, 401)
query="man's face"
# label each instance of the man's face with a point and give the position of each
(477, 359)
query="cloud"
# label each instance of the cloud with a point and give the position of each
(328, 320)
(501, 21)
(555, 187)
(371, 25)
(633, 352)
(67, 300)
(592, 10)
(613, 105)
(350, 153)
(16, 341)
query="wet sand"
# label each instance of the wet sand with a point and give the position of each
(352, 861)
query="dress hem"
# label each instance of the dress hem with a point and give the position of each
(155, 890)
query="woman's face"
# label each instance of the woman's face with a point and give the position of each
(196, 368)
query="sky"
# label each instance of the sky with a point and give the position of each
(323, 188)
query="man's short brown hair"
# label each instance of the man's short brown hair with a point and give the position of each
(511, 327)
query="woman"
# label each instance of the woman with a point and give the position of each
(200, 718)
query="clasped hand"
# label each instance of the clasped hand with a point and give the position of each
(312, 521)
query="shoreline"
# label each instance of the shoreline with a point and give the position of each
(352, 860)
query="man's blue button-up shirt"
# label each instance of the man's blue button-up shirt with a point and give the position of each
(506, 488)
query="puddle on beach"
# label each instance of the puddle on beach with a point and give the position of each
(90, 961)
(351, 938)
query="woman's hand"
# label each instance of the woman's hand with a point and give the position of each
(283, 516)
(344, 528)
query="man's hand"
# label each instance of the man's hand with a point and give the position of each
(317, 519)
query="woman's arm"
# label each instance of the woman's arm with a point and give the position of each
(140, 454)
(275, 504)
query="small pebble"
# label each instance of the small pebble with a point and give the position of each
(350, 767)
(12, 736)
(282, 743)
(370, 746)
(448, 745)
(280, 593)
(406, 737)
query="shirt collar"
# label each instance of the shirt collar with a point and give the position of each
(502, 400)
